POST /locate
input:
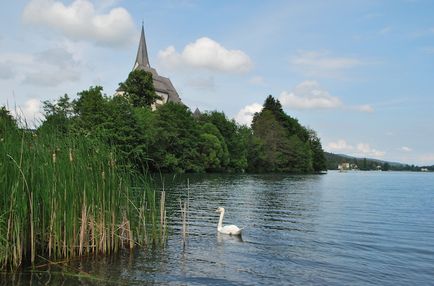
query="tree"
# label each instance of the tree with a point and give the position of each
(289, 123)
(92, 112)
(233, 137)
(176, 143)
(58, 115)
(283, 144)
(7, 122)
(122, 131)
(318, 159)
(209, 131)
(139, 88)
(274, 138)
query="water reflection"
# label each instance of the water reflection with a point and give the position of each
(224, 238)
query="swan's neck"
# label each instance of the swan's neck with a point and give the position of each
(220, 225)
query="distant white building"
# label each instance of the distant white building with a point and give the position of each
(424, 169)
(163, 86)
(344, 166)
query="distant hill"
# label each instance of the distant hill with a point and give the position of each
(333, 160)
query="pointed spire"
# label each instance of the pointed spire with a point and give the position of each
(197, 112)
(142, 60)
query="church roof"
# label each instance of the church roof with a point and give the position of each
(197, 112)
(161, 84)
(142, 59)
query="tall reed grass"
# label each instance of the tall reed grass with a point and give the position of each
(63, 197)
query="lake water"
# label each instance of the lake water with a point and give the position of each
(354, 228)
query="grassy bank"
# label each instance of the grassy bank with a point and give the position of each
(62, 197)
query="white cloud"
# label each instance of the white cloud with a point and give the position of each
(340, 146)
(207, 54)
(245, 115)
(28, 114)
(51, 77)
(365, 150)
(359, 150)
(50, 67)
(309, 95)
(364, 108)
(320, 63)
(405, 149)
(257, 80)
(81, 21)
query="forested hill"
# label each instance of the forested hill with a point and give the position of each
(333, 160)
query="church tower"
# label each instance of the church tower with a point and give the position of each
(162, 85)
(142, 59)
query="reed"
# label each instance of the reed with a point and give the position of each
(184, 206)
(63, 197)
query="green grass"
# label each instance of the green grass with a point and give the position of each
(63, 197)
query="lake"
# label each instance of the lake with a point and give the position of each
(353, 228)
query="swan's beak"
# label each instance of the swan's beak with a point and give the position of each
(217, 211)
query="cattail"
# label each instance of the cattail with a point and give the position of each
(112, 161)
(54, 157)
(70, 155)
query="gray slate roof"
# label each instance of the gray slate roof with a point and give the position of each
(197, 112)
(161, 84)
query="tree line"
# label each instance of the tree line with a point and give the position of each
(172, 139)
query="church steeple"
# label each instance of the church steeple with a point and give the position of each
(142, 60)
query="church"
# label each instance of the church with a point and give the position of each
(163, 86)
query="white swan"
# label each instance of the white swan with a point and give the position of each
(227, 229)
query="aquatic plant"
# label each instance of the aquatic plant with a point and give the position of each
(66, 196)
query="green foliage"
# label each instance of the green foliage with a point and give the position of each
(171, 139)
(176, 148)
(233, 138)
(282, 144)
(7, 122)
(58, 115)
(213, 142)
(139, 88)
(319, 162)
(91, 111)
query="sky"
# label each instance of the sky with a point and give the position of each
(360, 73)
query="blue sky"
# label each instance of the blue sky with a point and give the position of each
(360, 73)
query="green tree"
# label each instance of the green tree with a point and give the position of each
(139, 88)
(210, 149)
(176, 142)
(318, 159)
(7, 122)
(274, 138)
(92, 111)
(365, 164)
(233, 137)
(58, 115)
(289, 123)
(284, 145)
(122, 131)
(222, 153)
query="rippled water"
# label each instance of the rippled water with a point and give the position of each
(355, 228)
